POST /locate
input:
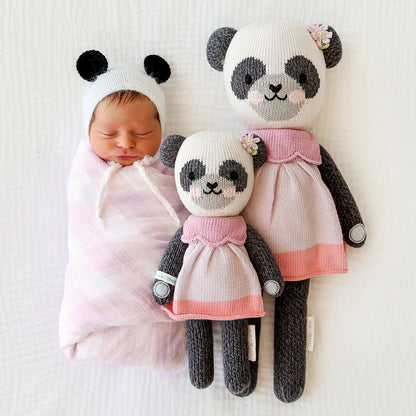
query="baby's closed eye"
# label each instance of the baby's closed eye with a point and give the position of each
(141, 133)
(108, 133)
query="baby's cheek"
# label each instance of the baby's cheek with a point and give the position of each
(229, 192)
(195, 192)
(297, 96)
(255, 97)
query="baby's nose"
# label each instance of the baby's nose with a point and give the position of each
(126, 141)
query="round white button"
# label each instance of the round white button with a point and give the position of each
(161, 290)
(357, 233)
(271, 287)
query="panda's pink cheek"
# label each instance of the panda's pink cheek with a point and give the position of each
(229, 192)
(297, 96)
(195, 192)
(255, 97)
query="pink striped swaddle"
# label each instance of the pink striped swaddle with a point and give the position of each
(108, 312)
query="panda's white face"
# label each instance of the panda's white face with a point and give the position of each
(214, 175)
(274, 76)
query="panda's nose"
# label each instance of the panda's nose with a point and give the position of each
(275, 88)
(212, 185)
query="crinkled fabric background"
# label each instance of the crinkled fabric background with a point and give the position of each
(364, 360)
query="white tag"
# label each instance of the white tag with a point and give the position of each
(310, 333)
(165, 277)
(252, 343)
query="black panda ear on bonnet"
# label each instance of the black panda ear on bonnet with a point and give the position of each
(91, 64)
(217, 46)
(157, 68)
(170, 148)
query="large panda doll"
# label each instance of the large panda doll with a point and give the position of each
(275, 79)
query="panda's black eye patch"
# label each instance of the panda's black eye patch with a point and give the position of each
(305, 73)
(235, 172)
(245, 74)
(192, 170)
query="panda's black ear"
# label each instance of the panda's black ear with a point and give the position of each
(156, 67)
(91, 64)
(333, 54)
(170, 148)
(260, 158)
(217, 46)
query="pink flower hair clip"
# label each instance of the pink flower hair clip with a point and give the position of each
(320, 35)
(249, 143)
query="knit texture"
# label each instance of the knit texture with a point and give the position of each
(274, 76)
(290, 341)
(349, 216)
(274, 55)
(200, 353)
(129, 78)
(235, 356)
(222, 264)
(201, 291)
(293, 210)
(214, 174)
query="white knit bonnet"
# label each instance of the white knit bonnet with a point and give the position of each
(145, 79)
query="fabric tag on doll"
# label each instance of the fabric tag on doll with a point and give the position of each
(310, 333)
(252, 343)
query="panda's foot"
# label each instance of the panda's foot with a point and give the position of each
(200, 353)
(237, 375)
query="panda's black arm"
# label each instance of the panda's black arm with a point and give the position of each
(264, 263)
(352, 225)
(169, 267)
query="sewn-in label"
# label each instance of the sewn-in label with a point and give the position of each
(252, 343)
(310, 333)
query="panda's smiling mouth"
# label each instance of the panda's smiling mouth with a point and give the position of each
(275, 96)
(212, 187)
(211, 191)
(275, 89)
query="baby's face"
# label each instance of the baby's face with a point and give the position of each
(126, 132)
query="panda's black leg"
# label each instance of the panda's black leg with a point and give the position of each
(254, 365)
(290, 341)
(200, 352)
(235, 351)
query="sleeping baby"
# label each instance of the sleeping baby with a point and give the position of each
(123, 210)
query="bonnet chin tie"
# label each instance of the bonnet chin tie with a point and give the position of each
(112, 167)
(140, 165)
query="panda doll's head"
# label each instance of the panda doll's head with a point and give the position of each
(275, 73)
(214, 173)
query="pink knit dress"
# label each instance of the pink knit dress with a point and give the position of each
(293, 210)
(217, 280)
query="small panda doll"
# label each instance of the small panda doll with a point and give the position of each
(275, 79)
(216, 266)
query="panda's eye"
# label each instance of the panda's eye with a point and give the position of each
(233, 175)
(305, 73)
(192, 170)
(245, 74)
(248, 79)
(234, 171)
